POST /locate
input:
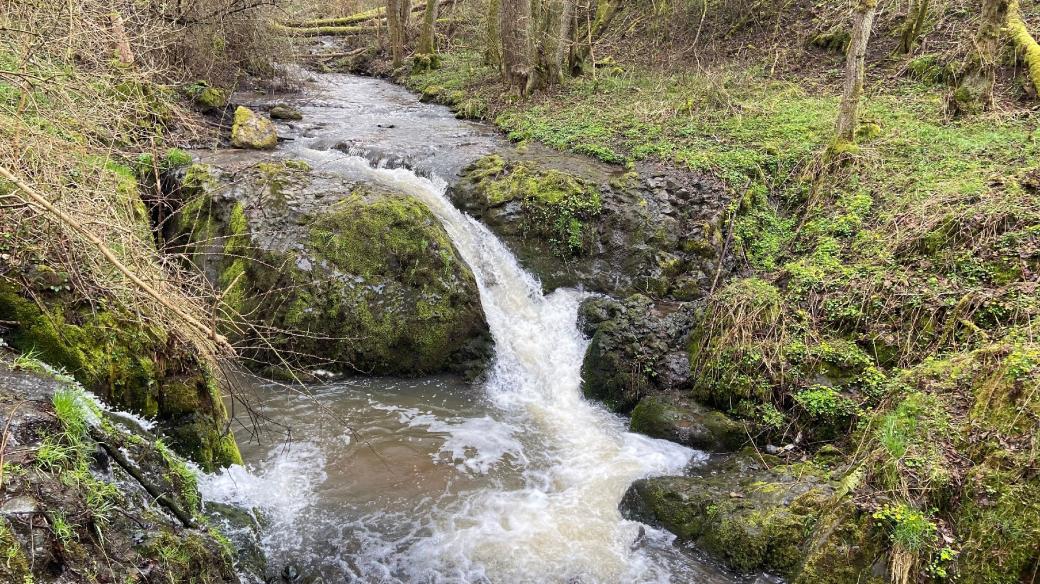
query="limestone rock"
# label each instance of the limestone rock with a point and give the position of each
(680, 420)
(573, 221)
(253, 131)
(349, 277)
(283, 111)
(746, 515)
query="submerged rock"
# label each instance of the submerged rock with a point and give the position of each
(326, 272)
(282, 111)
(252, 131)
(574, 221)
(745, 514)
(681, 420)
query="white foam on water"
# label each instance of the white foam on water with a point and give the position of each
(558, 521)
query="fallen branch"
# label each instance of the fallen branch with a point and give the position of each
(357, 18)
(63, 217)
(1024, 42)
(183, 516)
(325, 30)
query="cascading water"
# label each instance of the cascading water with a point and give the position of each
(521, 484)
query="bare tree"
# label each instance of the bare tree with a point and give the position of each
(914, 25)
(862, 23)
(493, 48)
(975, 81)
(397, 12)
(514, 26)
(428, 39)
(553, 32)
(596, 22)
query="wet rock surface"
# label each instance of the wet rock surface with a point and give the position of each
(252, 131)
(748, 510)
(673, 417)
(331, 273)
(83, 487)
(637, 349)
(574, 221)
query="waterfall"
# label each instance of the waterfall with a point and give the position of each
(554, 517)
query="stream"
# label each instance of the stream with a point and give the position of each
(432, 480)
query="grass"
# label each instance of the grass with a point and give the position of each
(889, 293)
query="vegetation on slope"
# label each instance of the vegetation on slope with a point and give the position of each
(889, 296)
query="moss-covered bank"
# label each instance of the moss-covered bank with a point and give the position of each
(83, 487)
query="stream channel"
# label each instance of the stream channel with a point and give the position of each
(516, 479)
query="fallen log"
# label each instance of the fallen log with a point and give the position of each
(357, 18)
(325, 30)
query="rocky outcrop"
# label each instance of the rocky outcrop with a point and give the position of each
(748, 510)
(90, 496)
(637, 349)
(576, 222)
(252, 131)
(325, 272)
(673, 417)
(128, 362)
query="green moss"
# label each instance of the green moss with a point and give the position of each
(114, 357)
(206, 96)
(554, 204)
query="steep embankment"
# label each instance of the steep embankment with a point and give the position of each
(91, 495)
(876, 338)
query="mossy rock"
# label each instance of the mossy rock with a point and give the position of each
(130, 364)
(376, 284)
(285, 112)
(749, 517)
(97, 487)
(252, 131)
(574, 221)
(686, 422)
(207, 97)
(636, 351)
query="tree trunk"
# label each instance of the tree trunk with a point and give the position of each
(1024, 42)
(126, 55)
(493, 50)
(862, 23)
(974, 91)
(597, 24)
(397, 12)
(552, 36)
(915, 19)
(428, 40)
(514, 26)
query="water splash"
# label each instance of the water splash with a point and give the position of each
(537, 478)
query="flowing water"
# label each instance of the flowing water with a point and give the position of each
(435, 480)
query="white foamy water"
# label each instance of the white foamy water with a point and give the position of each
(520, 483)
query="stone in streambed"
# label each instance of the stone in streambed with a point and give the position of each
(686, 422)
(252, 131)
(285, 112)
(346, 276)
(745, 514)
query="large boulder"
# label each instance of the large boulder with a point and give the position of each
(738, 509)
(574, 221)
(637, 349)
(329, 273)
(673, 417)
(252, 131)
